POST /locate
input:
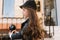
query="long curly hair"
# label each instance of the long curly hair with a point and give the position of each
(34, 29)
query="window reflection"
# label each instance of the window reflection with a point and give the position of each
(8, 8)
(51, 12)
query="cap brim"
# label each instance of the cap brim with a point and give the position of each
(21, 7)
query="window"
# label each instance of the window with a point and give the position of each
(50, 13)
(8, 10)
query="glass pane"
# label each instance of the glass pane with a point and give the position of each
(8, 8)
(50, 13)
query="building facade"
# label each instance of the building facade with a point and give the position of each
(18, 12)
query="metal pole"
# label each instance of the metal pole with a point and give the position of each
(53, 30)
(50, 24)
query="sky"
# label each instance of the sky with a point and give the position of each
(8, 8)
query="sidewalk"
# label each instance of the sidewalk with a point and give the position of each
(57, 34)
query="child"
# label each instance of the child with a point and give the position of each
(12, 29)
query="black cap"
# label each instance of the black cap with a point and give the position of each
(29, 4)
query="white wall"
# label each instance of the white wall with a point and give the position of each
(0, 8)
(18, 11)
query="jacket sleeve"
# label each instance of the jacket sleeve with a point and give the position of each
(21, 32)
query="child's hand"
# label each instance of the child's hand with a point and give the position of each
(14, 31)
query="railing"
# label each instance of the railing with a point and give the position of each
(6, 22)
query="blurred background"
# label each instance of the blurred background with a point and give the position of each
(47, 11)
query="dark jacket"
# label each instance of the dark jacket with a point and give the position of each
(21, 34)
(26, 32)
